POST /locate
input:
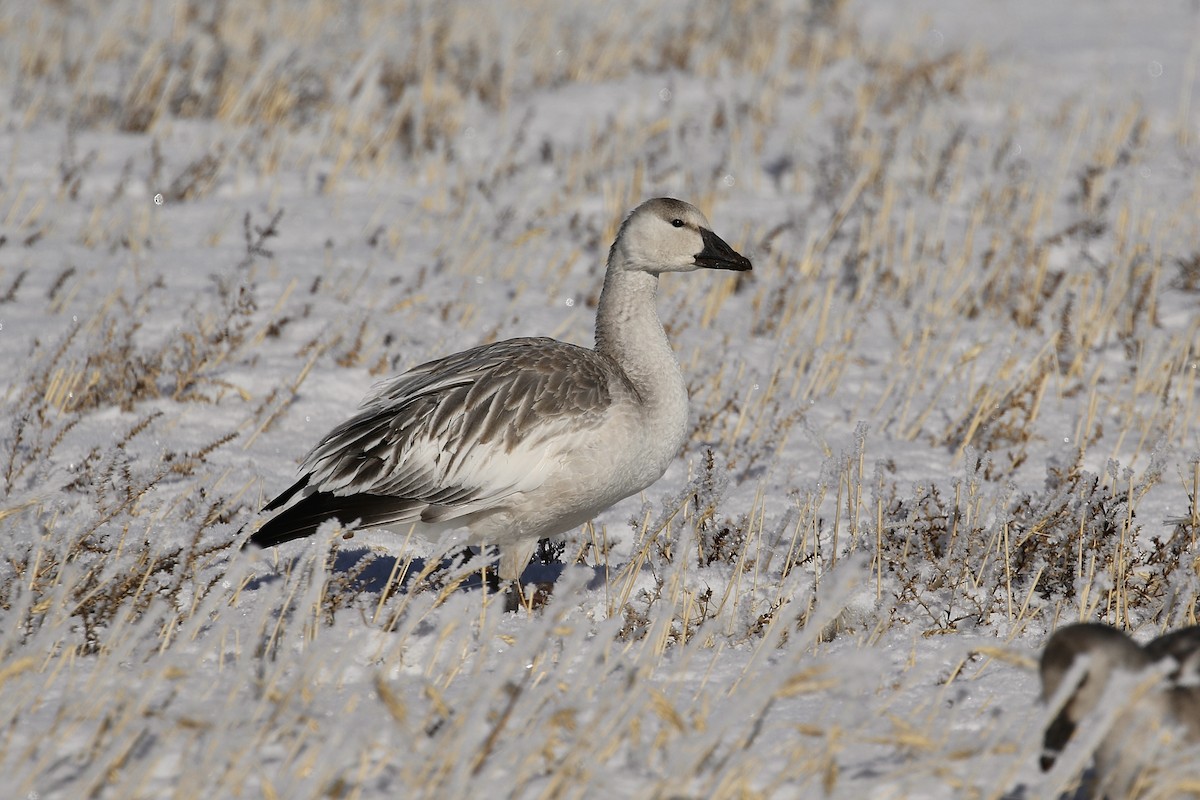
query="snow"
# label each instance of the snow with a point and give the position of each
(954, 406)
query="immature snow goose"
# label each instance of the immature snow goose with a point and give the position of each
(522, 439)
(1149, 722)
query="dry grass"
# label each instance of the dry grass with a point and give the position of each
(953, 399)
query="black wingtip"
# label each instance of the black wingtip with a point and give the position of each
(277, 531)
(287, 495)
(304, 516)
(281, 528)
(297, 522)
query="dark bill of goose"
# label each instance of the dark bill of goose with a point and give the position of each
(718, 255)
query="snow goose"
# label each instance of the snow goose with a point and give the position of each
(522, 439)
(1148, 722)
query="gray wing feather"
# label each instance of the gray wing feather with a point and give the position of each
(415, 431)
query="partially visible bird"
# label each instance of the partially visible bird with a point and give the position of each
(1168, 713)
(523, 439)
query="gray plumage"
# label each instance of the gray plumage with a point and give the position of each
(526, 438)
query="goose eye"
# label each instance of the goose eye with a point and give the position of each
(678, 223)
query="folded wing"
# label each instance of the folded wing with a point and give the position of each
(450, 438)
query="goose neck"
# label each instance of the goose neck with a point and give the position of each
(629, 332)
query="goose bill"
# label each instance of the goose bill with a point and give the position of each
(718, 255)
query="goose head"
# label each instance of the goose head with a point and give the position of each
(1106, 651)
(668, 235)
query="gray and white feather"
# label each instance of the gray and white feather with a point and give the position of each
(1168, 713)
(522, 439)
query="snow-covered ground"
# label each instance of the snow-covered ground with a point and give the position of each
(954, 406)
